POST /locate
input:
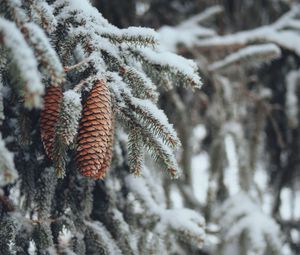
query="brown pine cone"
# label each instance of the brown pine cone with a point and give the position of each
(95, 132)
(50, 117)
(108, 156)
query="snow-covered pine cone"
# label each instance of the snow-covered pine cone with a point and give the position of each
(94, 138)
(50, 117)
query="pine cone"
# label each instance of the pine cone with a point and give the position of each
(95, 133)
(50, 117)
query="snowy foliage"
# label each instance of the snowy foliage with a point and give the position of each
(66, 47)
(247, 159)
(25, 61)
(284, 32)
(240, 215)
(187, 223)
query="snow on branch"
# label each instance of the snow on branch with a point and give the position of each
(14, 10)
(184, 223)
(188, 223)
(102, 239)
(23, 57)
(42, 14)
(279, 33)
(136, 35)
(154, 119)
(153, 143)
(254, 53)
(203, 16)
(69, 116)
(189, 31)
(140, 84)
(178, 68)
(239, 214)
(44, 52)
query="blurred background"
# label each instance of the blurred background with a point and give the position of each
(240, 132)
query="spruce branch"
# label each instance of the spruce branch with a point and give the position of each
(12, 10)
(275, 33)
(42, 14)
(169, 64)
(135, 151)
(7, 235)
(27, 68)
(153, 119)
(154, 145)
(132, 35)
(99, 240)
(140, 84)
(252, 54)
(45, 54)
(59, 154)
(45, 191)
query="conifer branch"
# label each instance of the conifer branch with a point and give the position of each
(133, 35)
(26, 64)
(140, 84)
(153, 119)
(168, 64)
(154, 145)
(42, 14)
(135, 151)
(251, 54)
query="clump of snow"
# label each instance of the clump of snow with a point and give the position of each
(141, 8)
(8, 172)
(200, 176)
(32, 248)
(65, 237)
(72, 96)
(70, 115)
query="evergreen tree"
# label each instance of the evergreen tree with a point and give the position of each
(78, 117)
